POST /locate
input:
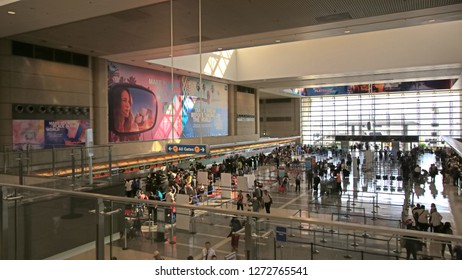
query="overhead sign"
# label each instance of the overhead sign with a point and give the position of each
(186, 149)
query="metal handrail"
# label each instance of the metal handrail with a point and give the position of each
(346, 226)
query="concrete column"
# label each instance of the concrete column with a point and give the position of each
(257, 113)
(297, 117)
(99, 108)
(232, 106)
(4, 244)
(354, 167)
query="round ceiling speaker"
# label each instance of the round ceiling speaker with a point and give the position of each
(42, 109)
(30, 109)
(19, 108)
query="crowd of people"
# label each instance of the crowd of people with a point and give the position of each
(167, 183)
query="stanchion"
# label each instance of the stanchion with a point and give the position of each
(274, 248)
(323, 240)
(125, 239)
(171, 228)
(373, 204)
(300, 226)
(348, 256)
(315, 251)
(192, 225)
(332, 230)
(348, 209)
(397, 251)
(354, 244)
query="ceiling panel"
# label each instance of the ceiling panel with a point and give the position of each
(148, 27)
(107, 27)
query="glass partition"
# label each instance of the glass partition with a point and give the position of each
(39, 223)
(429, 114)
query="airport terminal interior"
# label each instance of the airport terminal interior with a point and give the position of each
(230, 130)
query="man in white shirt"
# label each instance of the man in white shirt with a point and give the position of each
(128, 188)
(170, 196)
(208, 252)
(423, 219)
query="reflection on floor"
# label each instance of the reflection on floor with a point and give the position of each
(357, 204)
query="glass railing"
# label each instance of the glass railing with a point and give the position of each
(67, 161)
(42, 223)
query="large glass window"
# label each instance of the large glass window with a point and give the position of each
(426, 114)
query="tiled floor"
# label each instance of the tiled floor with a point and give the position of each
(356, 205)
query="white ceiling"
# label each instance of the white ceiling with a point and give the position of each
(137, 30)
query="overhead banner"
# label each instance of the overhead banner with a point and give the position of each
(379, 87)
(143, 105)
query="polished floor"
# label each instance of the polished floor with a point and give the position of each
(357, 204)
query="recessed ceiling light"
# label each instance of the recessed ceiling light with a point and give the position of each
(277, 41)
(11, 12)
(346, 31)
(431, 20)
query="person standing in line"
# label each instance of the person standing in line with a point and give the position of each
(316, 182)
(309, 179)
(415, 214)
(267, 200)
(208, 252)
(248, 202)
(423, 219)
(297, 183)
(128, 188)
(240, 201)
(170, 196)
(435, 219)
(339, 183)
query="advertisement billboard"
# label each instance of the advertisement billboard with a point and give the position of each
(145, 105)
(380, 87)
(39, 134)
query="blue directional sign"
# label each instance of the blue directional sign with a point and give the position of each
(186, 149)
